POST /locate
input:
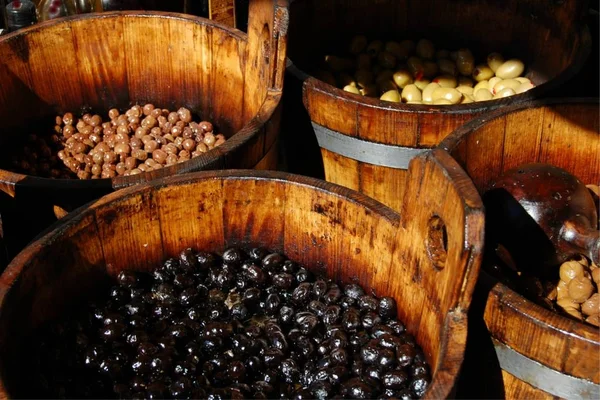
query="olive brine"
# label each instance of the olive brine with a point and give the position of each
(418, 73)
(242, 325)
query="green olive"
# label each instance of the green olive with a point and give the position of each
(510, 69)
(402, 78)
(506, 92)
(386, 86)
(425, 49)
(447, 81)
(363, 77)
(386, 59)
(369, 90)
(482, 73)
(415, 66)
(450, 94)
(326, 77)
(494, 60)
(467, 98)
(483, 95)
(338, 64)
(511, 83)
(441, 54)
(430, 69)
(482, 85)
(398, 50)
(351, 89)
(522, 79)
(374, 48)
(465, 62)
(411, 93)
(391, 95)
(422, 83)
(492, 82)
(345, 79)
(523, 87)
(465, 89)
(447, 67)
(442, 101)
(428, 91)
(358, 44)
(363, 61)
(465, 81)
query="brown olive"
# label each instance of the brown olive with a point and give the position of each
(159, 156)
(580, 289)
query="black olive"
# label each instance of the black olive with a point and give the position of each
(237, 370)
(321, 389)
(171, 267)
(419, 369)
(369, 353)
(338, 340)
(181, 387)
(306, 322)
(339, 356)
(373, 372)
(370, 319)
(137, 337)
(419, 386)
(119, 294)
(290, 267)
(351, 320)
(319, 288)
(387, 307)
(233, 256)
(239, 311)
(142, 365)
(317, 308)
(255, 275)
(127, 279)
(113, 331)
(356, 388)
(205, 261)
(258, 253)
(333, 295)
(353, 291)
(218, 329)
(302, 275)
(283, 281)
(188, 260)
(387, 359)
(397, 326)
(368, 303)
(286, 315)
(272, 304)
(273, 262)
(405, 355)
(183, 281)
(277, 340)
(332, 315)
(301, 293)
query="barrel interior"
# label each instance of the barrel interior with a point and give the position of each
(329, 229)
(546, 36)
(96, 62)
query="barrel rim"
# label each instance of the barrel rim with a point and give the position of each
(216, 158)
(584, 50)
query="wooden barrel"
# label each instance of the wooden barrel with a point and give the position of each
(542, 354)
(116, 59)
(366, 143)
(427, 258)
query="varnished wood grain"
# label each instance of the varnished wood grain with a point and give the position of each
(565, 133)
(115, 59)
(328, 228)
(527, 30)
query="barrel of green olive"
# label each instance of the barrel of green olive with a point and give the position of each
(426, 59)
(354, 243)
(540, 352)
(103, 69)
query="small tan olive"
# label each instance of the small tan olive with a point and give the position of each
(422, 83)
(483, 95)
(506, 83)
(425, 49)
(494, 61)
(569, 270)
(482, 72)
(506, 92)
(447, 81)
(447, 67)
(374, 48)
(415, 66)
(562, 290)
(465, 89)
(492, 82)
(482, 85)
(592, 305)
(596, 275)
(402, 78)
(442, 53)
(411, 93)
(351, 89)
(363, 77)
(465, 62)
(580, 289)
(338, 64)
(442, 101)
(570, 307)
(524, 87)
(363, 61)
(510, 69)
(428, 91)
(391, 95)
(358, 44)
(386, 60)
(430, 69)
(593, 319)
(448, 93)
(465, 81)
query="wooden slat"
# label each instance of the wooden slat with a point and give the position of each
(341, 170)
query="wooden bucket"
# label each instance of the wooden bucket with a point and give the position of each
(542, 354)
(366, 143)
(114, 59)
(427, 258)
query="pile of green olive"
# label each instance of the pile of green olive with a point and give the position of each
(417, 73)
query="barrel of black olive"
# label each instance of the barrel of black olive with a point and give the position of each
(529, 351)
(93, 63)
(366, 143)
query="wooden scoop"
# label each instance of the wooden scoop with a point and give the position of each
(542, 215)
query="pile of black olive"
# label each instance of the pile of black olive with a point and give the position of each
(244, 325)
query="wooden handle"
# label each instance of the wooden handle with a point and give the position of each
(441, 224)
(583, 239)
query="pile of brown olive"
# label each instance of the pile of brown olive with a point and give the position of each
(242, 325)
(418, 73)
(142, 139)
